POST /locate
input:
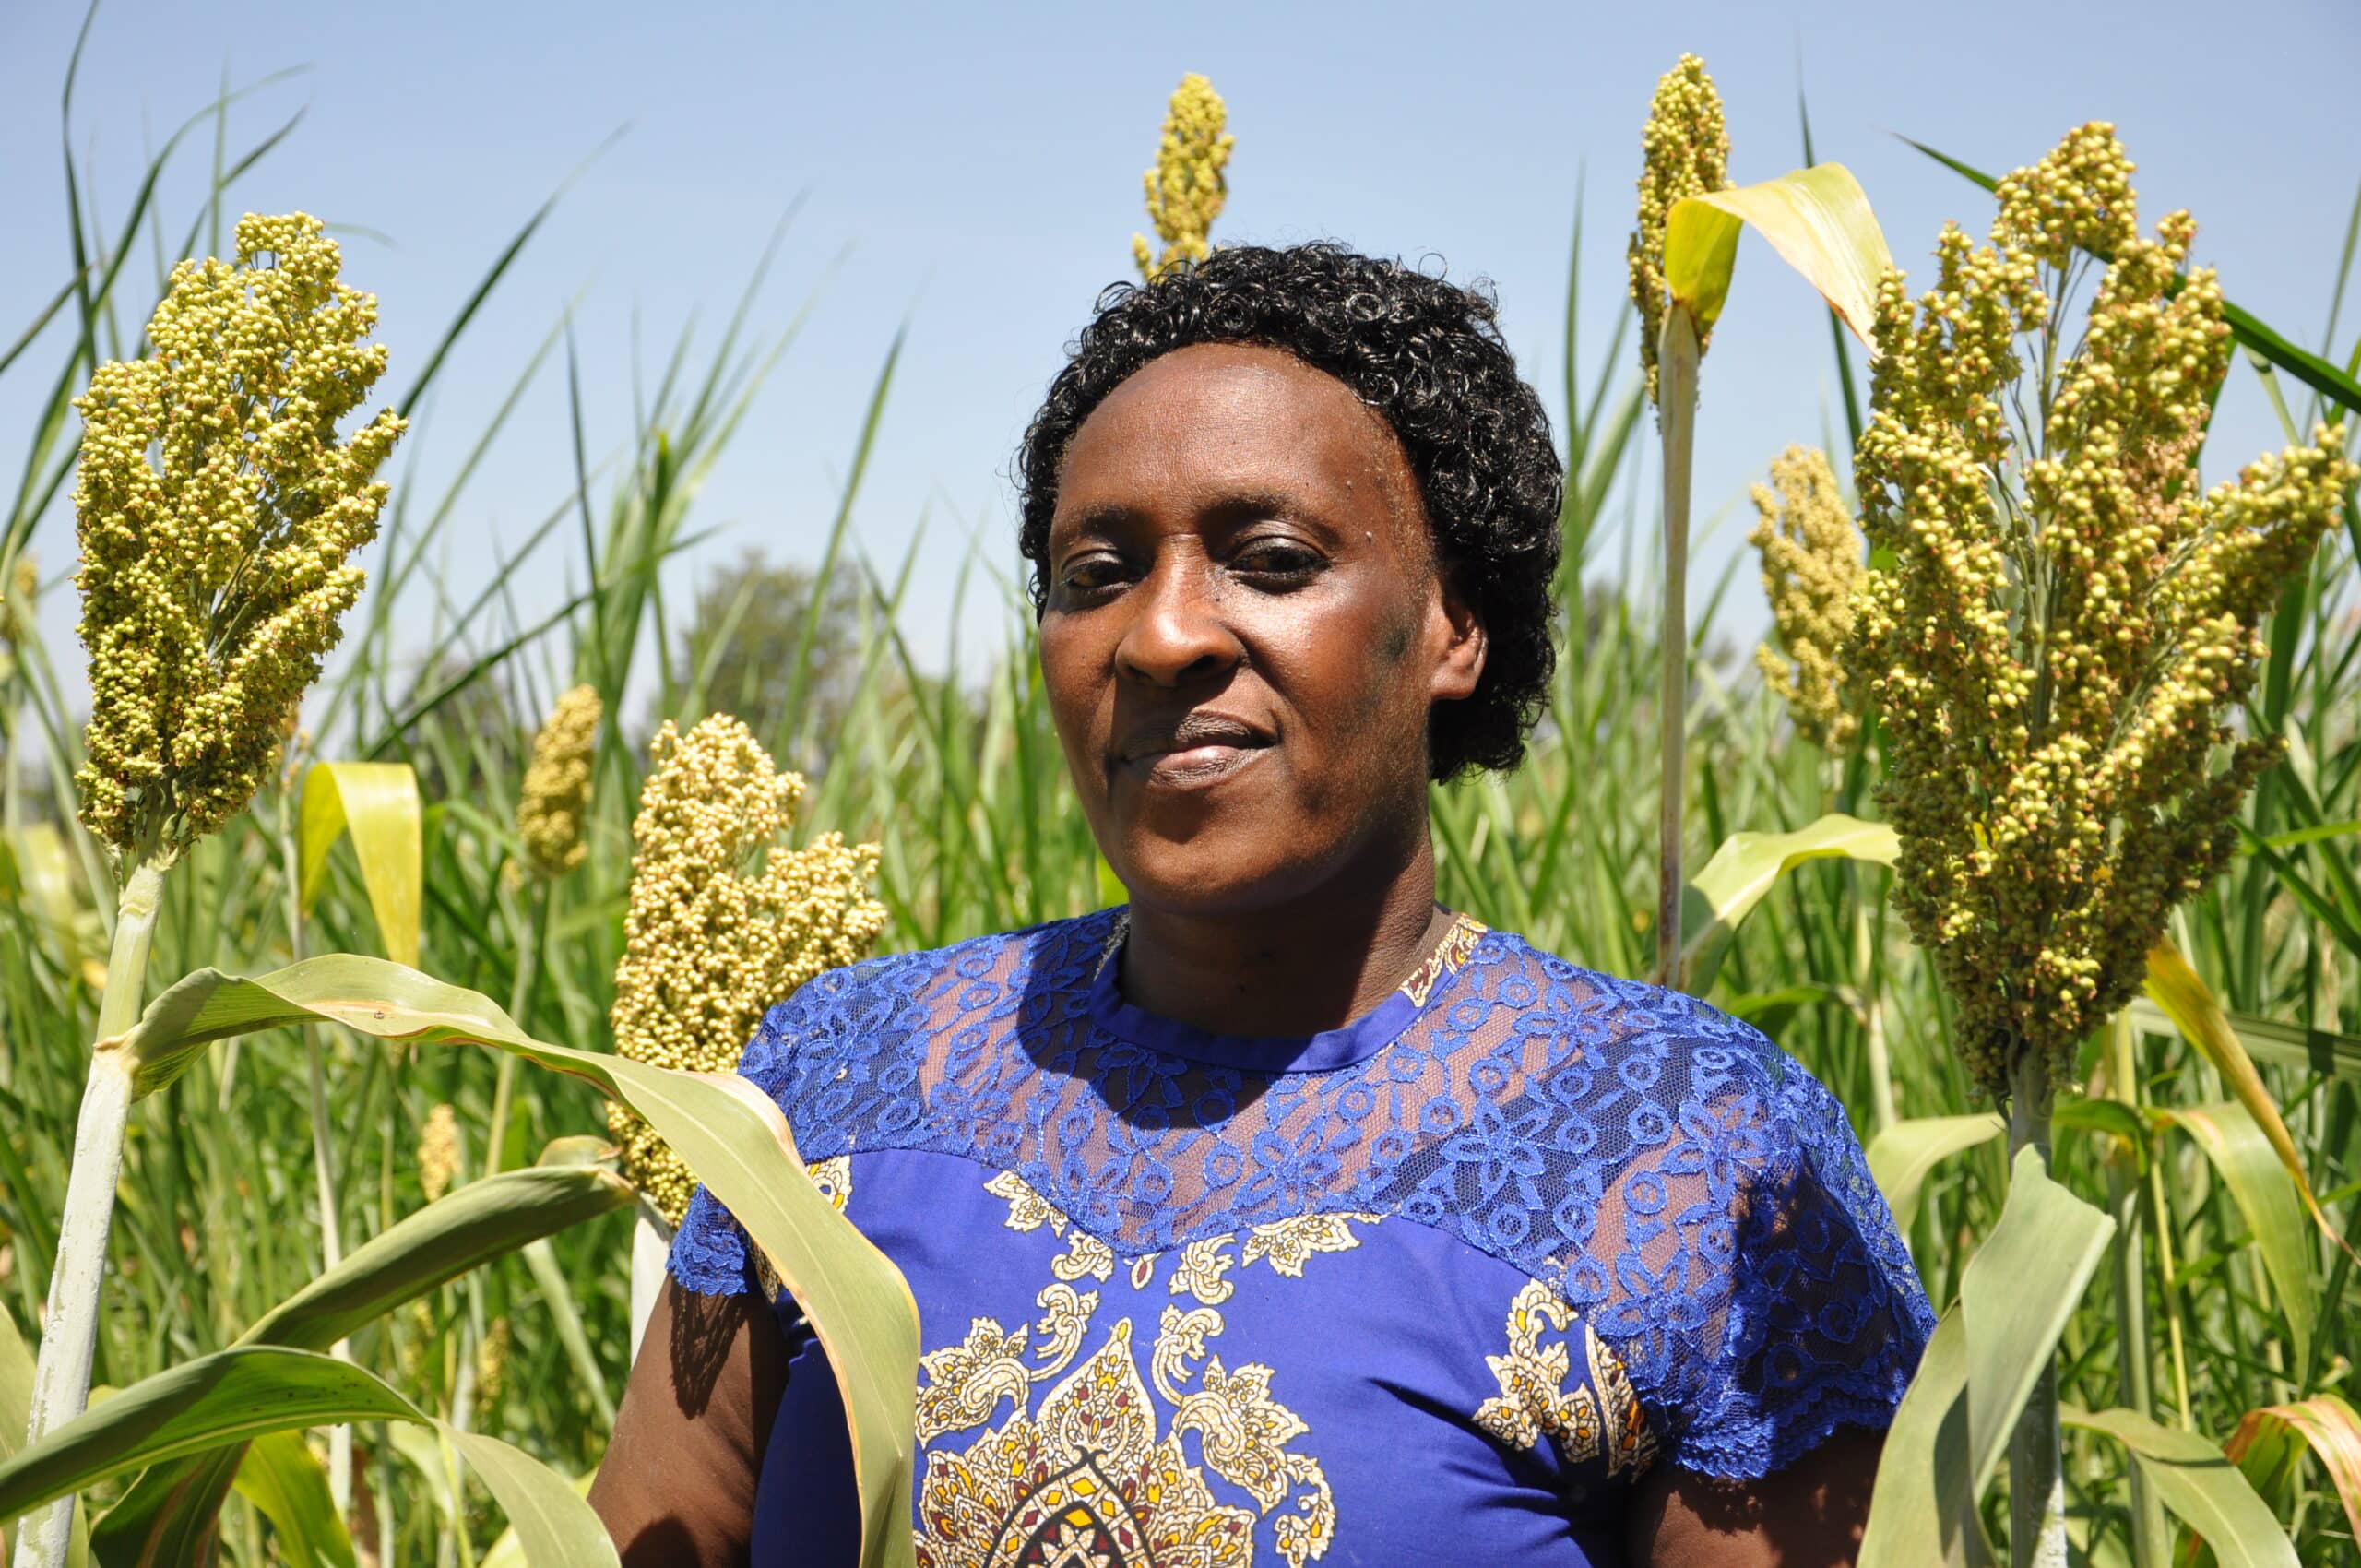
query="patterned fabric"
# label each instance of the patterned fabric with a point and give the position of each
(1397, 1290)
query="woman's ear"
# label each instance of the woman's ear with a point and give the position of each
(1455, 622)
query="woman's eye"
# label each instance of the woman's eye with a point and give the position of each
(1276, 560)
(1095, 573)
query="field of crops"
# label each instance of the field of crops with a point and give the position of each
(345, 1212)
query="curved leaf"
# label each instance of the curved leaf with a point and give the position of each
(236, 1395)
(290, 1486)
(729, 1135)
(1922, 1511)
(2258, 1184)
(377, 801)
(1721, 895)
(2324, 1424)
(1817, 219)
(2015, 1297)
(1901, 1155)
(2189, 1003)
(173, 1504)
(2200, 1483)
(2282, 1045)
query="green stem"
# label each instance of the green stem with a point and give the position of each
(323, 1144)
(1677, 358)
(2151, 1535)
(2037, 1475)
(1883, 1113)
(70, 1335)
(520, 996)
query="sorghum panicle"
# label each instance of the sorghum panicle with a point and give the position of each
(438, 1151)
(24, 587)
(2068, 626)
(214, 574)
(1186, 189)
(723, 920)
(556, 792)
(1687, 150)
(1811, 558)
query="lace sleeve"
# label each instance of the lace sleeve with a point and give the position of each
(1766, 1299)
(711, 1253)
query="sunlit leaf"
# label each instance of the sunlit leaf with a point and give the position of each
(2015, 1297)
(1901, 1155)
(730, 1136)
(1922, 1511)
(2200, 1483)
(377, 803)
(1719, 897)
(237, 1395)
(2189, 1003)
(2274, 1213)
(1817, 219)
(2282, 1045)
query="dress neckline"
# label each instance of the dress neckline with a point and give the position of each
(1354, 1040)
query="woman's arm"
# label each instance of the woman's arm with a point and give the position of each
(676, 1489)
(1808, 1516)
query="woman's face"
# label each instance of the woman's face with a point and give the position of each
(1245, 628)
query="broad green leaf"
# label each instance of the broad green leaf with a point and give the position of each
(508, 1552)
(15, 1414)
(2015, 1297)
(234, 1396)
(2189, 1003)
(40, 875)
(175, 1502)
(1922, 1511)
(732, 1136)
(2200, 1483)
(1742, 871)
(1817, 219)
(2327, 1427)
(2109, 1118)
(1901, 1155)
(281, 1477)
(377, 803)
(2282, 1045)
(2258, 1184)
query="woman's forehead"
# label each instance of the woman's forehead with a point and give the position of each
(1222, 417)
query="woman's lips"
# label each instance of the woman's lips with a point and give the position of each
(1196, 768)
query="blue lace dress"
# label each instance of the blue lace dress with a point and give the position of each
(1438, 1285)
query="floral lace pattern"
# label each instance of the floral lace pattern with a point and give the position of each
(1666, 1172)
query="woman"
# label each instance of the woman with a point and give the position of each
(1285, 1215)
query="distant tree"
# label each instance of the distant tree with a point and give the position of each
(743, 636)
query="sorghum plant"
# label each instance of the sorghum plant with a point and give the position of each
(1686, 152)
(1811, 558)
(2065, 631)
(218, 511)
(1186, 190)
(556, 792)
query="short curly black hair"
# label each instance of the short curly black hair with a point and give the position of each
(1425, 353)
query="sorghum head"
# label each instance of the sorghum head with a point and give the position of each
(1811, 558)
(214, 571)
(723, 920)
(1686, 152)
(556, 792)
(1186, 189)
(2068, 626)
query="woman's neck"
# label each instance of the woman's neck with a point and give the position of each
(1291, 969)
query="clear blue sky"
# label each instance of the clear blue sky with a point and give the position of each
(973, 172)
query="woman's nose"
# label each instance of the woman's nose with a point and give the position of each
(1177, 631)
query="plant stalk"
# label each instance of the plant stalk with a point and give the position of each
(322, 1145)
(2151, 1535)
(70, 1329)
(1677, 356)
(2036, 1471)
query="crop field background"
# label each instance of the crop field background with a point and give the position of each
(2217, 1127)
